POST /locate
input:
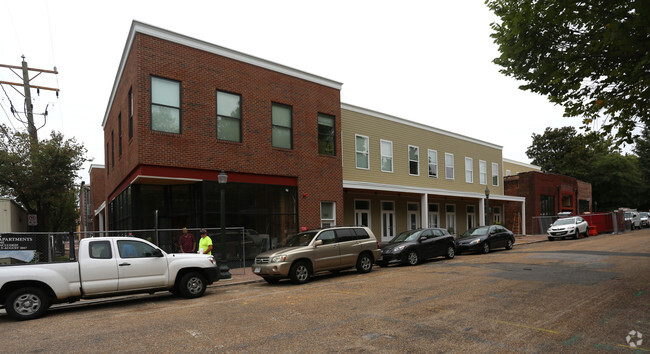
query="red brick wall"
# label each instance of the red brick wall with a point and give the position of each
(201, 74)
(97, 191)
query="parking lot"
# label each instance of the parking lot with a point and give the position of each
(580, 295)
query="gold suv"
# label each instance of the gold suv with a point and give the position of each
(310, 252)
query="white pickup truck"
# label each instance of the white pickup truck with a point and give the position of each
(106, 266)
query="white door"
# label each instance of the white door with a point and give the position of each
(413, 216)
(471, 217)
(434, 216)
(138, 268)
(99, 272)
(387, 221)
(450, 217)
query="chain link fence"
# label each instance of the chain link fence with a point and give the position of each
(236, 245)
(613, 222)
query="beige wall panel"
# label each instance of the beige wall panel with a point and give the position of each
(402, 135)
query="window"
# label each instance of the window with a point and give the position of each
(130, 114)
(469, 170)
(414, 160)
(281, 121)
(508, 173)
(108, 160)
(496, 214)
(119, 132)
(326, 135)
(547, 205)
(165, 105)
(361, 148)
(100, 250)
(386, 155)
(328, 237)
(482, 172)
(327, 214)
(112, 148)
(134, 249)
(449, 165)
(495, 174)
(387, 220)
(228, 116)
(433, 163)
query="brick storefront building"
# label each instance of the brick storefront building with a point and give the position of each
(183, 110)
(548, 194)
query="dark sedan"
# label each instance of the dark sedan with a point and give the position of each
(411, 247)
(485, 238)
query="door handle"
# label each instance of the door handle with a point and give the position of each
(125, 264)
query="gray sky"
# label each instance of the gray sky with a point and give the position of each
(425, 61)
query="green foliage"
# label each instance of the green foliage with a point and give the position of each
(642, 151)
(590, 56)
(617, 182)
(40, 176)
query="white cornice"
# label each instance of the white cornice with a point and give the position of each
(376, 114)
(139, 27)
(534, 167)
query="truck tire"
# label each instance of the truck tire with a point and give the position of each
(27, 304)
(192, 285)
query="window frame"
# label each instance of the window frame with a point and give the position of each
(431, 152)
(448, 154)
(495, 173)
(417, 154)
(333, 219)
(332, 137)
(482, 172)
(274, 126)
(130, 113)
(180, 104)
(216, 100)
(357, 152)
(381, 153)
(469, 178)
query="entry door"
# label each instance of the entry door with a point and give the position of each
(451, 218)
(434, 216)
(471, 217)
(413, 216)
(387, 221)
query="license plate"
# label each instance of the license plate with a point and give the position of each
(256, 270)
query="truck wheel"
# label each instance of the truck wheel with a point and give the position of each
(27, 304)
(299, 273)
(192, 285)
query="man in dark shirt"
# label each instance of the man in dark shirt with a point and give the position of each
(187, 243)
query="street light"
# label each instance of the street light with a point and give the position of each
(224, 270)
(487, 206)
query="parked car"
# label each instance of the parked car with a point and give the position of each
(107, 266)
(314, 251)
(634, 219)
(485, 238)
(413, 246)
(644, 219)
(568, 227)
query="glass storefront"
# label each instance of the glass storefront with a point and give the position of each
(268, 212)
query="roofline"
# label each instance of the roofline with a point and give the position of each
(522, 164)
(417, 125)
(140, 27)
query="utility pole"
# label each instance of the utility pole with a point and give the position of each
(31, 128)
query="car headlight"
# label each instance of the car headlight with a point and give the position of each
(474, 242)
(278, 259)
(399, 249)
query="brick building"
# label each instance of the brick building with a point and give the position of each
(548, 194)
(182, 110)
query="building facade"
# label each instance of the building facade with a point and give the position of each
(13, 217)
(400, 175)
(548, 194)
(183, 110)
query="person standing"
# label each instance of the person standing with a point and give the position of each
(205, 243)
(187, 242)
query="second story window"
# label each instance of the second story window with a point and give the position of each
(326, 135)
(165, 105)
(433, 163)
(449, 166)
(469, 170)
(281, 121)
(386, 155)
(482, 172)
(495, 174)
(119, 133)
(228, 116)
(130, 114)
(414, 160)
(361, 149)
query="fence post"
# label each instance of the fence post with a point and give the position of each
(156, 227)
(73, 253)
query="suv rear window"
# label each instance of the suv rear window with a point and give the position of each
(344, 235)
(361, 233)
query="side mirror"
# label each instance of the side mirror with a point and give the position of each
(423, 238)
(157, 253)
(318, 243)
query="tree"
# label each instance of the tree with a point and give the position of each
(616, 182)
(589, 56)
(642, 151)
(40, 176)
(564, 151)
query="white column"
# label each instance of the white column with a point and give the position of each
(523, 218)
(481, 212)
(424, 210)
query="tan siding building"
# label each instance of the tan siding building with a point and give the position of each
(512, 168)
(399, 175)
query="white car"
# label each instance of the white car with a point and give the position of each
(565, 227)
(634, 219)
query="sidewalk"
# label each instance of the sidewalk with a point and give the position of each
(246, 275)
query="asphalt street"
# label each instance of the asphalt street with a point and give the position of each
(585, 295)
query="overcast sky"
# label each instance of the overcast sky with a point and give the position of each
(425, 61)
